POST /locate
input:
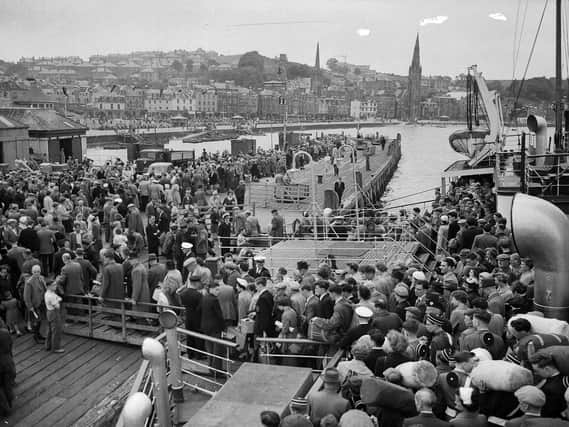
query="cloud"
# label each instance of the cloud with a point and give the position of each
(498, 16)
(434, 20)
(363, 32)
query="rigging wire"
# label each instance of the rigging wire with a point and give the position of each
(531, 52)
(514, 59)
(521, 31)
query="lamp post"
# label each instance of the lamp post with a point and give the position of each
(353, 154)
(313, 185)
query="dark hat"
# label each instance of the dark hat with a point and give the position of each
(503, 257)
(331, 375)
(483, 315)
(195, 278)
(80, 251)
(415, 311)
(152, 257)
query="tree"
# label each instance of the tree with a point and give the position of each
(177, 66)
(332, 64)
(253, 60)
(294, 70)
(189, 66)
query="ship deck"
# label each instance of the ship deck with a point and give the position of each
(82, 387)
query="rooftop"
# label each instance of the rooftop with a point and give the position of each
(43, 123)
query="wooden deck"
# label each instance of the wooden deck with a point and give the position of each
(75, 388)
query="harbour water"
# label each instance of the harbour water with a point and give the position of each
(425, 153)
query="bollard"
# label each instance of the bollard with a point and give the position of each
(136, 410)
(153, 351)
(168, 320)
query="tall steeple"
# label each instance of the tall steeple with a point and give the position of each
(414, 84)
(316, 82)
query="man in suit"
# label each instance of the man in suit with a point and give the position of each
(485, 240)
(73, 280)
(252, 227)
(328, 400)
(191, 299)
(339, 188)
(311, 305)
(89, 270)
(450, 382)
(337, 325)
(260, 270)
(552, 384)
(326, 303)
(277, 225)
(112, 286)
(228, 302)
(212, 324)
(531, 399)
(264, 308)
(424, 401)
(483, 338)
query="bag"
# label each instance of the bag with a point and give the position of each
(350, 388)
(315, 331)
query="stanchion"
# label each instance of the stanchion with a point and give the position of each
(169, 320)
(154, 352)
(136, 410)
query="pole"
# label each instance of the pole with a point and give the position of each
(168, 321)
(558, 77)
(313, 185)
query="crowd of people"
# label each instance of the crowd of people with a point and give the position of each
(110, 233)
(447, 323)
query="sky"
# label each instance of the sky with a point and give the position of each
(467, 36)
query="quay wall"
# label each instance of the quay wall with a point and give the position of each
(161, 137)
(373, 190)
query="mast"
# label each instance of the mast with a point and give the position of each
(558, 80)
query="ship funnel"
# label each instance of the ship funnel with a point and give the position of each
(538, 125)
(541, 232)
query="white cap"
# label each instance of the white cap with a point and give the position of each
(364, 312)
(259, 258)
(187, 245)
(118, 200)
(420, 276)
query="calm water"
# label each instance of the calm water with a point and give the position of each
(425, 153)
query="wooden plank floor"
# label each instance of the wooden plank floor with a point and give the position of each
(58, 389)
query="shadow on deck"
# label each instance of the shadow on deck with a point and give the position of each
(82, 387)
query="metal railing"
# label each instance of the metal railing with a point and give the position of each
(279, 349)
(210, 374)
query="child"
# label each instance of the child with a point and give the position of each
(13, 318)
(52, 303)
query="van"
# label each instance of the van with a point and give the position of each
(160, 168)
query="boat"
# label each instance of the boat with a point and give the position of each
(530, 180)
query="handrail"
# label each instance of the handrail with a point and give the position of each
(317, 385)
(204, 337)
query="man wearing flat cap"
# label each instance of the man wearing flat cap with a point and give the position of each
(531, 401)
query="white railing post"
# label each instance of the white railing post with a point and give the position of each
(169, 320)
(136, 410)
(154, 352)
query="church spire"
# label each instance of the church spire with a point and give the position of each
(316, 83)
(416, 54)
(414, 85)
